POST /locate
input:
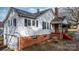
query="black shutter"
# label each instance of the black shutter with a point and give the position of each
(14, 22)
(42, 25)
(36, 23)
(25, 22)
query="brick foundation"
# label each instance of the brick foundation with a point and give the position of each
(28, 41)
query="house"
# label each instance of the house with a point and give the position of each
(22, 28)
(59, 23)
(1, 28)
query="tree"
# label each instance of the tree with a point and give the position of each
(72, 15)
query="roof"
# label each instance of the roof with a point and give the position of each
(26, 14)
(23, 13)
(1, 24)
(57, 20)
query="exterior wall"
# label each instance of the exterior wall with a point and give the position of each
(21, 31)
(28, 41)
(9, 30)
(33, 30)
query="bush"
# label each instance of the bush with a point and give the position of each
(71, 33)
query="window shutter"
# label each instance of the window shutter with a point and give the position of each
(14, 21)
(36, 23)
(25, 22)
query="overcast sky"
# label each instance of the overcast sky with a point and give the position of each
(4, 10)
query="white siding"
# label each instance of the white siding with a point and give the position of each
(33, 30)
(21, 30)
(9, 31)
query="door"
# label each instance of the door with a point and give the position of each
(12, 42)
(56, 27)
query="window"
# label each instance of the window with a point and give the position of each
(29, 22)
(14, 21)
(8, 22)
(11, 22)
(36, 23)
(43, 25)
(33, 23)
(25, 22)
(50, 25)
(47, 25)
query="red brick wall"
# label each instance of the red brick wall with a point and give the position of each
(27, 41)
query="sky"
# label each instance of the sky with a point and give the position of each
(4, 10)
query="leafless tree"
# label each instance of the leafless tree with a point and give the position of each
(73, 14)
